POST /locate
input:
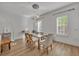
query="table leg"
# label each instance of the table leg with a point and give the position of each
(1, 48)
(38, 44)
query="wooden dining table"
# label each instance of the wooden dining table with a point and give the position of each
(39, 36)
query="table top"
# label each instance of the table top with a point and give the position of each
(38, 35)
(5, 41)
(5, 33)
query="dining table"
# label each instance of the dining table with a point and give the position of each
(39, 38)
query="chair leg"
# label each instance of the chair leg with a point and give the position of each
(1, 48)
(9, 46)
(47, 50)
(51, 46)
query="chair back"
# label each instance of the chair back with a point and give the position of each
(47, 40)
(6, 35)
(28, 38)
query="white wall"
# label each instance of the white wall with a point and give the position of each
(49, 25)
(27, 23)
(15, 23)
(12, 22)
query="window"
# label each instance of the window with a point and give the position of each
(39, 26)
(62, 25)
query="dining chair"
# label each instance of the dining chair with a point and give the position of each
(46, 42)
(29, 41)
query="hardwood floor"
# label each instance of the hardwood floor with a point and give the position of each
(59, 49)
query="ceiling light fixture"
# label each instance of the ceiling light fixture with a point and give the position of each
(35, 7)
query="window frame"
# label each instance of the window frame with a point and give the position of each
(57, 31)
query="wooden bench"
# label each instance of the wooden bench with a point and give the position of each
(5, 40)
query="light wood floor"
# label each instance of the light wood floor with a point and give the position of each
(59, 49)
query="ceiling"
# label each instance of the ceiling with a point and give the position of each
(25, 8)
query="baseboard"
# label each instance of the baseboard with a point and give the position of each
(66, 43)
